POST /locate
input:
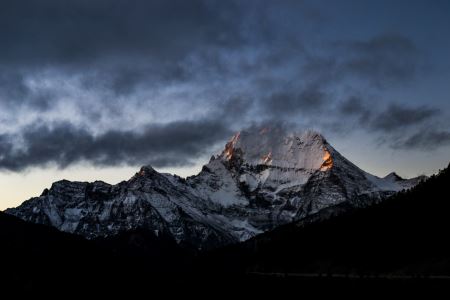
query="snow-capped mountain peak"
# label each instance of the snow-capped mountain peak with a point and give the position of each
(271, 146)
(264, 177)
(274, 159)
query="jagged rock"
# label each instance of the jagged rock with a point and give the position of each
(263, 179)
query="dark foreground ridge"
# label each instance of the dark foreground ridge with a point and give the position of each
(401, 241)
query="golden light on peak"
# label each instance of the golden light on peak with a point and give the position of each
(327, 161)
(228, 151)
(229, 147)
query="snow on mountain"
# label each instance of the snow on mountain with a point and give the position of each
(272, 178)
(263, 178)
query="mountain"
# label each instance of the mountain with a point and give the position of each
(264, 178)
(361, 249)
(403, 237)
(149, 200)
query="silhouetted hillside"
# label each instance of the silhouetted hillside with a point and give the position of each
(38, 258)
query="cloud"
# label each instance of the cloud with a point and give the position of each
(353, 105)
(396, 126)
(389, 120)
(116, 46)
(12, 86)
(397, 117)
(428, 139)
(15, 92)
(121, 67)
(121, 49)
(173, 144)
(292, 101)
(382, 59)
(83, 31)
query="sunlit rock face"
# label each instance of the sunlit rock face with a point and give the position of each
(269, 158)
(327, 161)
(264, 177)
(301, 150)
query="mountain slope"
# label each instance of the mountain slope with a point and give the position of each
(264, 178)
(149, 200)
(267, 177)
(405, 235)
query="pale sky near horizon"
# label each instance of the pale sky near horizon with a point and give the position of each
(95, 89)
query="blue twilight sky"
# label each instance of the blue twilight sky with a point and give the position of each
(95, 89)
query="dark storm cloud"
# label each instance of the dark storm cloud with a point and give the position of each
(121, 63)
(123, 46)
(353, 106)
(291, 102)
(53, 31)
(12, 86)
(428, 139)
(174, 144)
(397, 117)
(235, 107)
(380, 61)
(397, 126)
(14, 92)
(115, 45)
(384, 58)
(126, 80)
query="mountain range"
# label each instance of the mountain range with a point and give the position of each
(264, 178)
(346, 231)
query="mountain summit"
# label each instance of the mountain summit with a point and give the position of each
(303, 150)
(263, 178)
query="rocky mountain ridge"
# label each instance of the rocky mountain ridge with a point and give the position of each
(264, 178)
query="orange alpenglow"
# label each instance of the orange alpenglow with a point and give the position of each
(327, 161)
(229, 147)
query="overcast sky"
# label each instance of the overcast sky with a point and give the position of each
(95, 89)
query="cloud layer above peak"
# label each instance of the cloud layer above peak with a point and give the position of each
(162, 82)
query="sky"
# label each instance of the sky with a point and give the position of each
(95, 89)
